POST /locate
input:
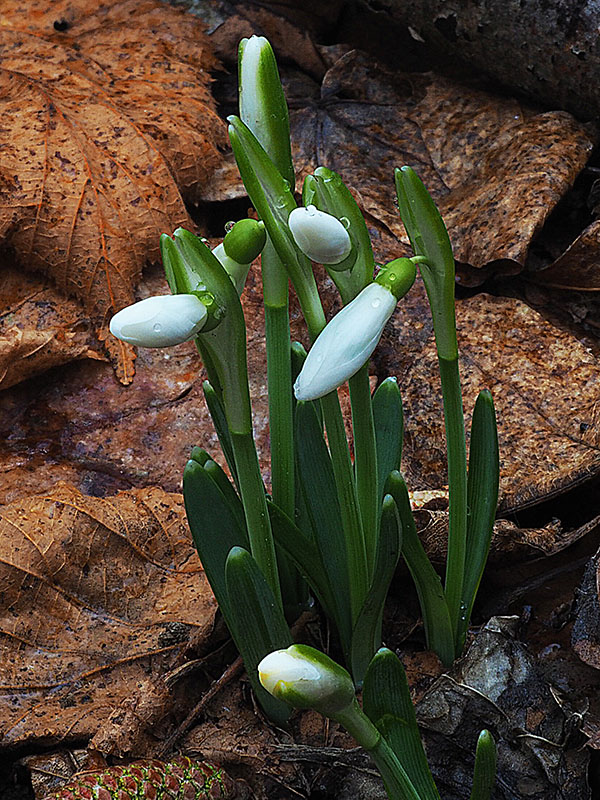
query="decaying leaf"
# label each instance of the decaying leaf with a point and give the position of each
(545, 387)
(578, 268)
(498, 686)
(89, 588)
(495, 168)
(39, 329)
(108, 125)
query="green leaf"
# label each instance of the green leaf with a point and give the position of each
(387, 703)
(366, 636)
(258, 624)
(429, 238)
(334, 197)
(484, 774)
(215, 528)
(317, 481)
(482, 498)
(273, 199)
(389, 429)
(303, 552)
(434, 608)
(217, 413)
(231, 497)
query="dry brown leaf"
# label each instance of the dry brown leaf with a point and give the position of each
(495, 168)
(39, 329)
(578, 268)
(89, 588)
(544, 381)
(107, 126)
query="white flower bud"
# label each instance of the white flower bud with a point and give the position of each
(345, 343)
(160, 321)
(237, 272)
(320, 236)
(306, 678)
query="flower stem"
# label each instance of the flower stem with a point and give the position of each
(365, 460)
(397, 783)
(457, 490)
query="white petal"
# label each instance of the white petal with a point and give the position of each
(320, 236)
(346, 343)
(284, 666)
(160, 321)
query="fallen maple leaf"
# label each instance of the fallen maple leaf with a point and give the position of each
(107, 127)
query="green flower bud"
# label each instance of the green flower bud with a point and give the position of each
(245, 241)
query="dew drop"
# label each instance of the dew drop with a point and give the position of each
(345, 222)
(311, 210)
(229, 225)
(157, 327)
(375, 303)
(286, 183)
(392, 276)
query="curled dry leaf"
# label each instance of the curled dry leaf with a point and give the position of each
(90, 588)
(495, 168)
(108, 125)
(499, 686)
(39, 329)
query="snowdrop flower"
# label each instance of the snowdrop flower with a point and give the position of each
(349, 339)
(160, 321)
(306, 678)
(320, 236)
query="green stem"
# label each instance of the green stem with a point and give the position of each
(255, 508)
(397, 783)
(346, 492)
(279, 379)
(365, 460)
(457, 491)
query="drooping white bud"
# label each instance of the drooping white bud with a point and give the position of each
(320, 236)
(160, 321)
(345, 343)
(237, 272)
(306, 678)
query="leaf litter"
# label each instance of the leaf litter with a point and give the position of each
(543, 376)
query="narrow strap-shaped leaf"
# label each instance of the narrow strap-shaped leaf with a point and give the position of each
(258, 624)
(214, 526)
(387, 703)
(317, 480)
(200, 455)
(366, 636)
(482, 497)
(484, 774)
(217, 413)
(429, 238)
(436, 617)
(231, 496)
(305, 555)
(389, 429)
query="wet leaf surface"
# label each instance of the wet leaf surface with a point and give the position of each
(108, 126)
(495, 168)
(90, 588)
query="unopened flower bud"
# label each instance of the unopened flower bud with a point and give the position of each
(160, 321)
(306, 678)
(320, 236)
(345, 343)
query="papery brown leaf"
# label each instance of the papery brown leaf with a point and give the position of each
(39, 329)
(498, 685)
(544, 382)
(108, 125)
(89, 587)
(578, 268)
(495, 168)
